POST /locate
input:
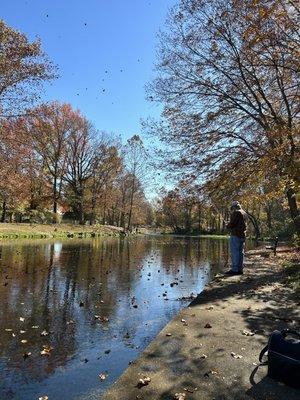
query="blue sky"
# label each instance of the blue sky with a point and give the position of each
(105, 52)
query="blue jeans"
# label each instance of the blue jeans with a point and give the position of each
(237, 246)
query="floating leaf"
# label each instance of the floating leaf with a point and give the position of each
(102, 376)
(46, 350)
(44, 398)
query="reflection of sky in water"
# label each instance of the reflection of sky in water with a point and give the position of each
(61, 286)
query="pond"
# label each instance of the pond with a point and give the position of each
(74, 310)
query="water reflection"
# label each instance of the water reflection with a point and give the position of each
(97, 303)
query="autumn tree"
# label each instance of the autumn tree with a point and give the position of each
(106, 166)
(23, 69)
(229, 78)
(50, 127)
(79, 161)
(135, 158)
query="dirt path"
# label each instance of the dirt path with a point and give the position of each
(210, 350)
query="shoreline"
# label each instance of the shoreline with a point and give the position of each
(69, 231)
(53, 231)
(210, 349)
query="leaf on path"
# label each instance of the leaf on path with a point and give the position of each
(46, 350)
(203, 356)
(208, 325)
(44, 333)
(35, 327)
(209, 308)
(102, 376)
(234, 355)
(248, 333)
(168, 334)
(24, 341)
(26, 355)
(144, 381)
(22, 332)
(8, 330)
(184, 322)
(190, 390)
(22, 319)
(70, 322)
(179, 396)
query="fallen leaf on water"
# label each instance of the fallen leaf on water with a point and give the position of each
(248, 333)
(144, 381)
(208, 325)
(234, 355)
(102, 377)
(179, 396)
(46, 350)
(44, 398)
(102, 319)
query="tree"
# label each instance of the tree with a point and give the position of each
(135, 157)
(79, 161)
(23, 68)
(50, 126)
(229, 77)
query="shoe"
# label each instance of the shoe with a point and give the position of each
(230, 272)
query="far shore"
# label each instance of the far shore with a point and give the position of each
(68, 230)
(48, 231)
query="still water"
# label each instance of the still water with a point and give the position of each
(91, 307)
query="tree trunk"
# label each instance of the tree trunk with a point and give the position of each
(54, 201)
(291, 196)
(131, 204)
(255, 225)
(3, 216)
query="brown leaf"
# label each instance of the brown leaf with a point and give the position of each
(208, 325)
(179, 396)
(46, 350)
(234, 355)
(144, 381)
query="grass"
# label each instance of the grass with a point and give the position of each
(22, 231)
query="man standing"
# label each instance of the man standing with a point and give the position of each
(237, 227)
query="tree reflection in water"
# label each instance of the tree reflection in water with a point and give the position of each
(59, 287)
